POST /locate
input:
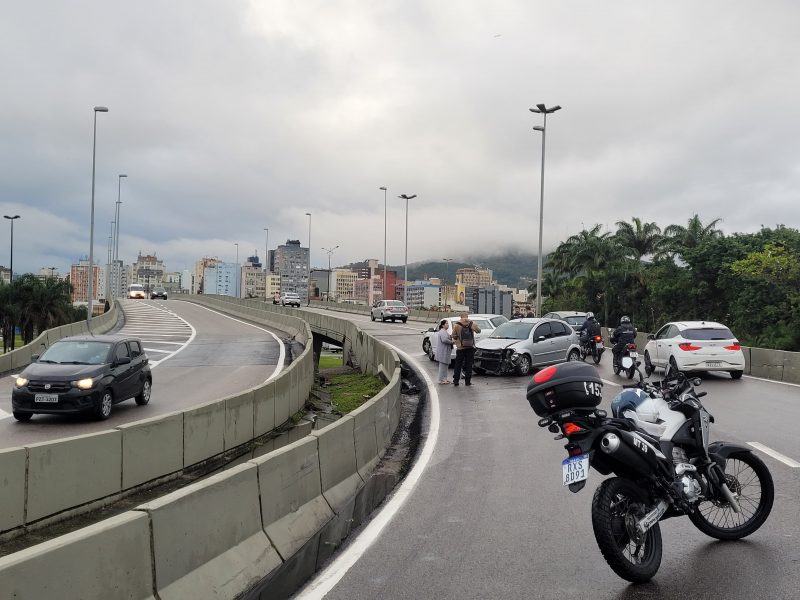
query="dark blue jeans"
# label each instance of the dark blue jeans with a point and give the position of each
(464, 358)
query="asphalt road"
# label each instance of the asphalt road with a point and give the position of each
(489, 517)
(196, 355)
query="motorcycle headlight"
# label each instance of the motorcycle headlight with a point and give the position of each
(21, 382)
(84, 384)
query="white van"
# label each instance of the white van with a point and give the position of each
(136, 291)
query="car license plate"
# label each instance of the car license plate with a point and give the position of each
(575, 468)
(713, 363)
(45, 398)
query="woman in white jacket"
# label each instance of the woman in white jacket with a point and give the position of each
(444, 345)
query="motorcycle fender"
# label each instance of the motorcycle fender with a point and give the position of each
(720, 451)
(577, 486)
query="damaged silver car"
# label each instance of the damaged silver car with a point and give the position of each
(522, 344)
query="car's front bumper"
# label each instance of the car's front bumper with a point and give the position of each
(498, 362)
(73, 401)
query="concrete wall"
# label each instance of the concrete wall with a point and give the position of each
(259, 528)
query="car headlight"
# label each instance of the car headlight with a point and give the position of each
(21, 382)
(84, 384)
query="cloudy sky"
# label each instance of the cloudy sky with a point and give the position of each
(232, 116)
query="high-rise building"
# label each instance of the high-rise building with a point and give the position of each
(148, 271)
(253, 279)
(423, 294)
(368, 290)
(199, 273)
(291, 263)
(474, 277)
(222, 279)
(343, 280)
(79, 278)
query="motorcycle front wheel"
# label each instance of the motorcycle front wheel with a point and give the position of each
(617, 504)
(751, 483)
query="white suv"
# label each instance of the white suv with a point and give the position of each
(290, 299)
(694, 346)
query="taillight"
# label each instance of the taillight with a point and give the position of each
(574, 450)
(597, 338)
(570, 428)
(688, 347)
(631, 346)
(734, 346)
(544, 375)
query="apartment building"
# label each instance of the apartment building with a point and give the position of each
(148, 271)
(199, 273)
(343, 282)
(79, 278)
(291, 263)
(222, 279)
(474, 277)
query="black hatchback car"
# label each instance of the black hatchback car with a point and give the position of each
(83, 374)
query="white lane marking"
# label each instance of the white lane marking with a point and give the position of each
(155, 363)
(333, 573)
(156, 350)
(771, 381)
(611, 382)
(776, 455)
(162, 342)
(282, 350)
(4, 415)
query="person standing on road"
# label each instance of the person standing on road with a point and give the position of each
(444, 346)
(464, 332)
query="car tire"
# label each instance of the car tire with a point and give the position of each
(736, 374)
(478, 371)
(372, 315)
(427, 349)
(524, 366)
(21, 416)
(648, 364)
(404, 320)
(383, 318)
(143, 397)
(103, 410)
(574, 355)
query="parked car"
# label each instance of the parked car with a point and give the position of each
(83, 374)
(522, 344)
(694, 346)
(290, 299)
(389, 309)
(136, 291)
(575, 318)
(158, 292)
(487, 323)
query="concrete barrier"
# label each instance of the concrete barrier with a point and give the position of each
(766, 363)
(791, 367)
(207, 538)
(239, 419)
(12, 487)
(72, 471)
(151, 449)
(264, 409)
(106, 561)
(203, 432)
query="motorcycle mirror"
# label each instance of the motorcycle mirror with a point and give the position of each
(697, 381)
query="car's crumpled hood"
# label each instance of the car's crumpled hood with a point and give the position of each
(51, 372)
(495, 343)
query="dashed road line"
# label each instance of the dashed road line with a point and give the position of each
(776, 455)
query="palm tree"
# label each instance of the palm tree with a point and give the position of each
(691, 236)
(640, 239)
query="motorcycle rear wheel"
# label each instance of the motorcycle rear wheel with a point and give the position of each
(615, 501)
(750, 480)
(596, 354)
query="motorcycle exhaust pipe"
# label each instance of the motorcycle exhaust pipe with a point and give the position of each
(621, 451)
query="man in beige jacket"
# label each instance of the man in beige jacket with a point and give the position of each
(464, 332)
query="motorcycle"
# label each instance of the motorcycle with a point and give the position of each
(592, 345)
(631, 352)
(657, 444)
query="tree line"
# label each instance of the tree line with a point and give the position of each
(35, 305)
(748, 281)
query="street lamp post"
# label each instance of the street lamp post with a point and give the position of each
(405, 274)
(115, 253)
(542, 109)
(447, 262)
(97, 109)
(11, 267)
(110, 258)
(329, 251)
(385, 220)
(308, 287)
(238, 273)
(52, 269)
(266, 263)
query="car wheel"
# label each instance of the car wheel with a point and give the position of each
(103, 410)
(478, 371)
(736, 374)
(404, 320)
(372, 315)
(426, 348)
(524, 366)
(144, 396)
(20, 416)
(574, 355)
(383, 318)
(648, 364)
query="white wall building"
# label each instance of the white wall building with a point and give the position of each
(222, 279)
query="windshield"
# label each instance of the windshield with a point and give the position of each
(136, 288)
(513, 331)
(394, 303)
(82, 353)
(708, 333)
(574, 320)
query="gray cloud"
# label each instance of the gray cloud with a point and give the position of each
(230, 117)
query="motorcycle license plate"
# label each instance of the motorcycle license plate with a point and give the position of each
(598, 345)
(575, 469)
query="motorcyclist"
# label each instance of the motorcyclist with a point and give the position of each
(589, 329)
(622, 335)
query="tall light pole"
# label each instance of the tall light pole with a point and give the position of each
(52, 269)
(238, 273)
(266, 264)
(542, 109)
(110, 258)
(308, 287)
(405, 275)
(329, 251)
(385, 214)
(11, 267)
(97, 109)
(115, 252)
(447, 262)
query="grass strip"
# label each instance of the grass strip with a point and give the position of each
(350, 390)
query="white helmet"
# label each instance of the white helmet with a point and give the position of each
(590, 315)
